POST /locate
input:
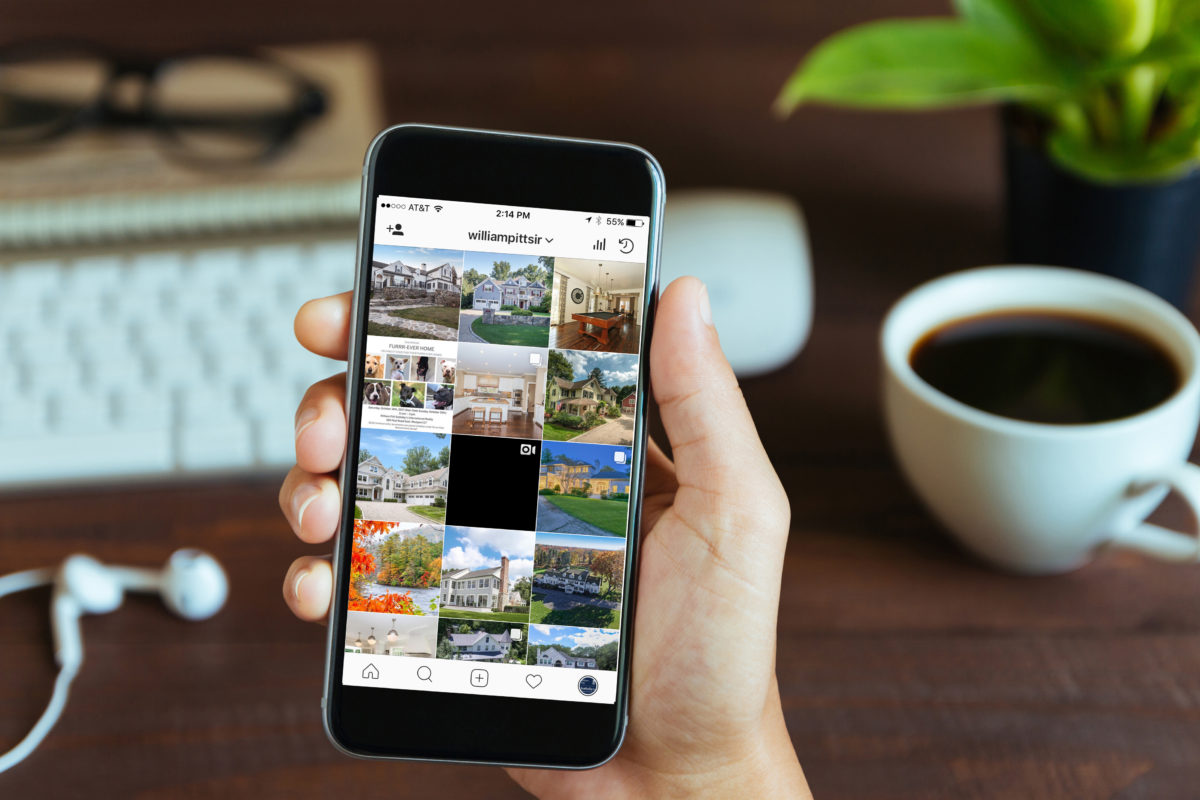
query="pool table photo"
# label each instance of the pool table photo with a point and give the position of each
(602, 320)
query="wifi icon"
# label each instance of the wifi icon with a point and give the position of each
(437, 209)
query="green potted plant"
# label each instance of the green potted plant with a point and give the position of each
(1101, 112)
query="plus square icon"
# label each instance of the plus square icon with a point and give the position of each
(479, 678)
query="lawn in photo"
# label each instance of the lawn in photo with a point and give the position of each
(586, 395)
(415, 292)
(578, 580)
(584, 488)
(390, 635)
(396, 566)
(506, 299)
(572, 647)
(487, 641)
(486, 574)
(402, 476)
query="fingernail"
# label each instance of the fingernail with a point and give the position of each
(306, 418)
(304, 494)
(299, 579)
(704, 307)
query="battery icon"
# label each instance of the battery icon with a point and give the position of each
(635, 223)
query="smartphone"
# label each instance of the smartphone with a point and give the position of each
(485, 568)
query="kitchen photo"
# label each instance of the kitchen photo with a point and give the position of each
(500, 390)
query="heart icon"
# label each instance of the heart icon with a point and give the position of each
(534, 681)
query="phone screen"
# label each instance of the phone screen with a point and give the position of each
(495, 470)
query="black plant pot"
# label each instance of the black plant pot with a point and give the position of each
(1147, 233)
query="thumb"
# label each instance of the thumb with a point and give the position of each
(724, 474)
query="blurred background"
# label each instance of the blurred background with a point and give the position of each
(907, 669)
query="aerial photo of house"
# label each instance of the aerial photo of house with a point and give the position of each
(597, 305)
(584, 488)
(573, 647)
(402, 476)
(499, 391)
(486, 574)
(577, 580)
(506, 299)
(415, 292)
(585, 393)
(478, 640)
(390, 635)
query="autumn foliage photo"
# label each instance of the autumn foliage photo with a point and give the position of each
(395, 568)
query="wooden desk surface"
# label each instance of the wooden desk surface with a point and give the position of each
(908, 670)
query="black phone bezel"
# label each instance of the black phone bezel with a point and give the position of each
(512, 170)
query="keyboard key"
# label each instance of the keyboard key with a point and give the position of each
(221, 446)
(158, 362)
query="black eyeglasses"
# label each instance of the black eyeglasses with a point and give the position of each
(211, 108)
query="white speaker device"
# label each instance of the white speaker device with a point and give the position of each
(751, 248)
(192, 585)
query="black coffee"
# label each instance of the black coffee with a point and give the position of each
(1046, 367)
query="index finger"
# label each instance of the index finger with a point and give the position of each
(323, 325)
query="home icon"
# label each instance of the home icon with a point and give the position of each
(371, 673)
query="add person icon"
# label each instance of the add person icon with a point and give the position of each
(588, 685)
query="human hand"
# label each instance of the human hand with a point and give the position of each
(705, 715)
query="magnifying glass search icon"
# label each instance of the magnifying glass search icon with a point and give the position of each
(424, 674)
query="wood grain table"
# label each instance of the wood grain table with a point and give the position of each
(908, 670)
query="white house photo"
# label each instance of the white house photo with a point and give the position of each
(416, 268)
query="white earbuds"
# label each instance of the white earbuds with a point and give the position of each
(192, 585)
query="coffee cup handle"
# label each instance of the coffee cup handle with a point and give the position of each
(1155, 540)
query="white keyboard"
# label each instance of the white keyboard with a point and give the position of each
(156, 362)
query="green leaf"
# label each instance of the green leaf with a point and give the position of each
(1000, 16)
(1098, 27)
(922, 64)
(1185, 11)
(1166, 159)
(1176, 48)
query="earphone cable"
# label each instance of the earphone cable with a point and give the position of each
(19, 582)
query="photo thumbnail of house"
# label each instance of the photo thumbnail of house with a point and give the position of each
(415, 292)
(486, 641)
(577, 580)
(584, 488)
(499, 391)
(506, 299)
(572, 647)
(585, 394)
(390, 635)
(486, 574)
(402, 476)
(597, 305)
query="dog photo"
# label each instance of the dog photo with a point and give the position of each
(439, 397)
(396, 368)
(408, 395)
(374, 367)
(377, 393)
(421, 368)
(445, 371)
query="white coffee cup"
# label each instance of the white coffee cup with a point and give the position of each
(1034, 497)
